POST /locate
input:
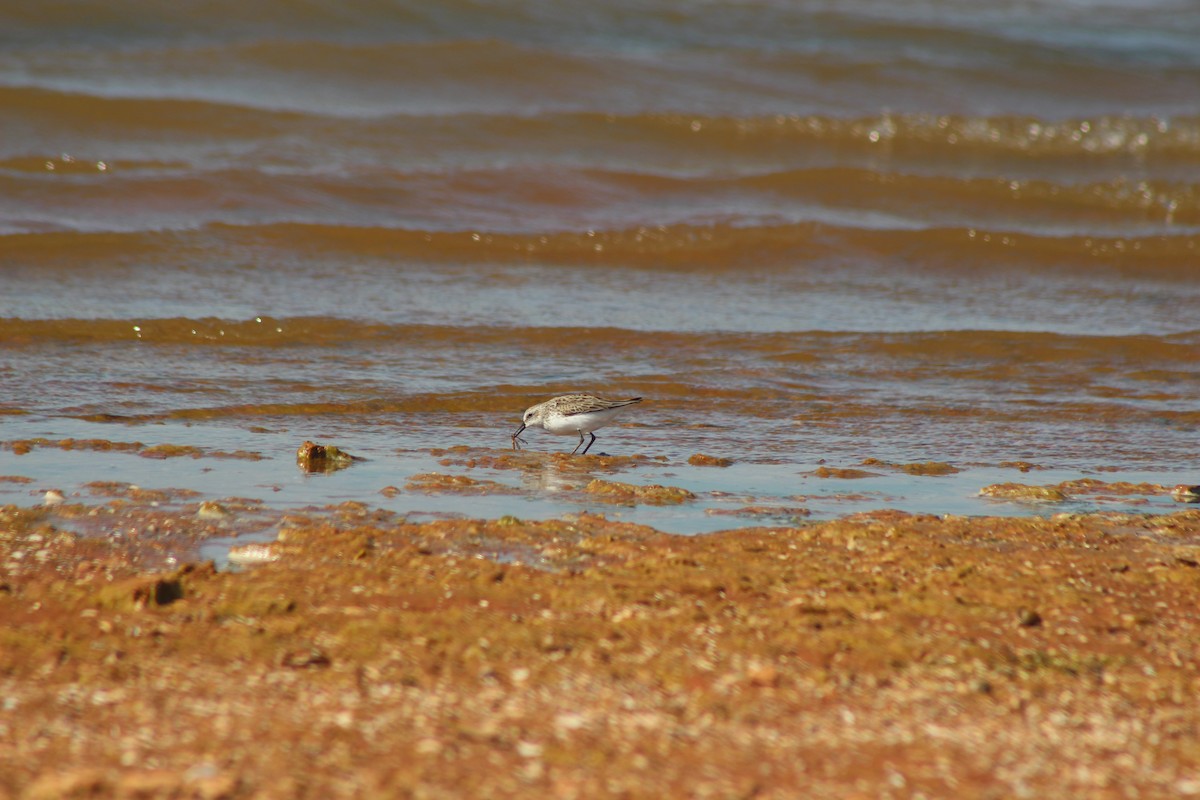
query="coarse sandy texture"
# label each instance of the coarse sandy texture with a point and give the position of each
(878, 655)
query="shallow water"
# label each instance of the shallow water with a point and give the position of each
(810, 234)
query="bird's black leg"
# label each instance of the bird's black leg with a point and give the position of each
(580, 443)
(589, 446)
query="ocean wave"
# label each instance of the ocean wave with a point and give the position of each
(861, 66)
(73, 193)
(1152, 357)
(1106, 30)
(696, 249)
(678, 142)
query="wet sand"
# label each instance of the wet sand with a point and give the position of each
(883, 654)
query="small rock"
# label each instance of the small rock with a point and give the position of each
(763, 675)
(653, 494)
(142, 592)
(252, 554)
(1020, 491)
(1186, 494)
(305, 659)
(928, 468)
(702, 460)
(313, 457)
(211, 510)
(529, 749)
(847, 474)
(53, 497)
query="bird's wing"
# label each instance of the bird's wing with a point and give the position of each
(586, 404)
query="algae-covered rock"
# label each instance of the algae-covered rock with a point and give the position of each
(1186, 494)
(313, 457)
(1025, 493)
(702, 460)
(848, 474)
(212, 510)
(144, 591)
(163, 451)
(916, 468)
(437, 482)
(928, 468)
(781, 512)
(1091, 487)
(653, 494)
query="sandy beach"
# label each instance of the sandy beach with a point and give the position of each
(880, 655)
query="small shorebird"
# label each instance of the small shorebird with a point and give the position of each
(570, 414)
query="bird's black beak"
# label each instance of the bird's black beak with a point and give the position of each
(515, 435)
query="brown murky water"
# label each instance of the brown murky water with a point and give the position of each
(810, 238)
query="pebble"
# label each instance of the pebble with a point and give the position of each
(1186, 494)
(252, 554)
(211, 510)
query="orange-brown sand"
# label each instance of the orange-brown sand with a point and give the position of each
(879, 655)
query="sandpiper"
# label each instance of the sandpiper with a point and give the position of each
(570, 414)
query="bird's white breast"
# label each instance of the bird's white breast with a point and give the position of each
(573, 424)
